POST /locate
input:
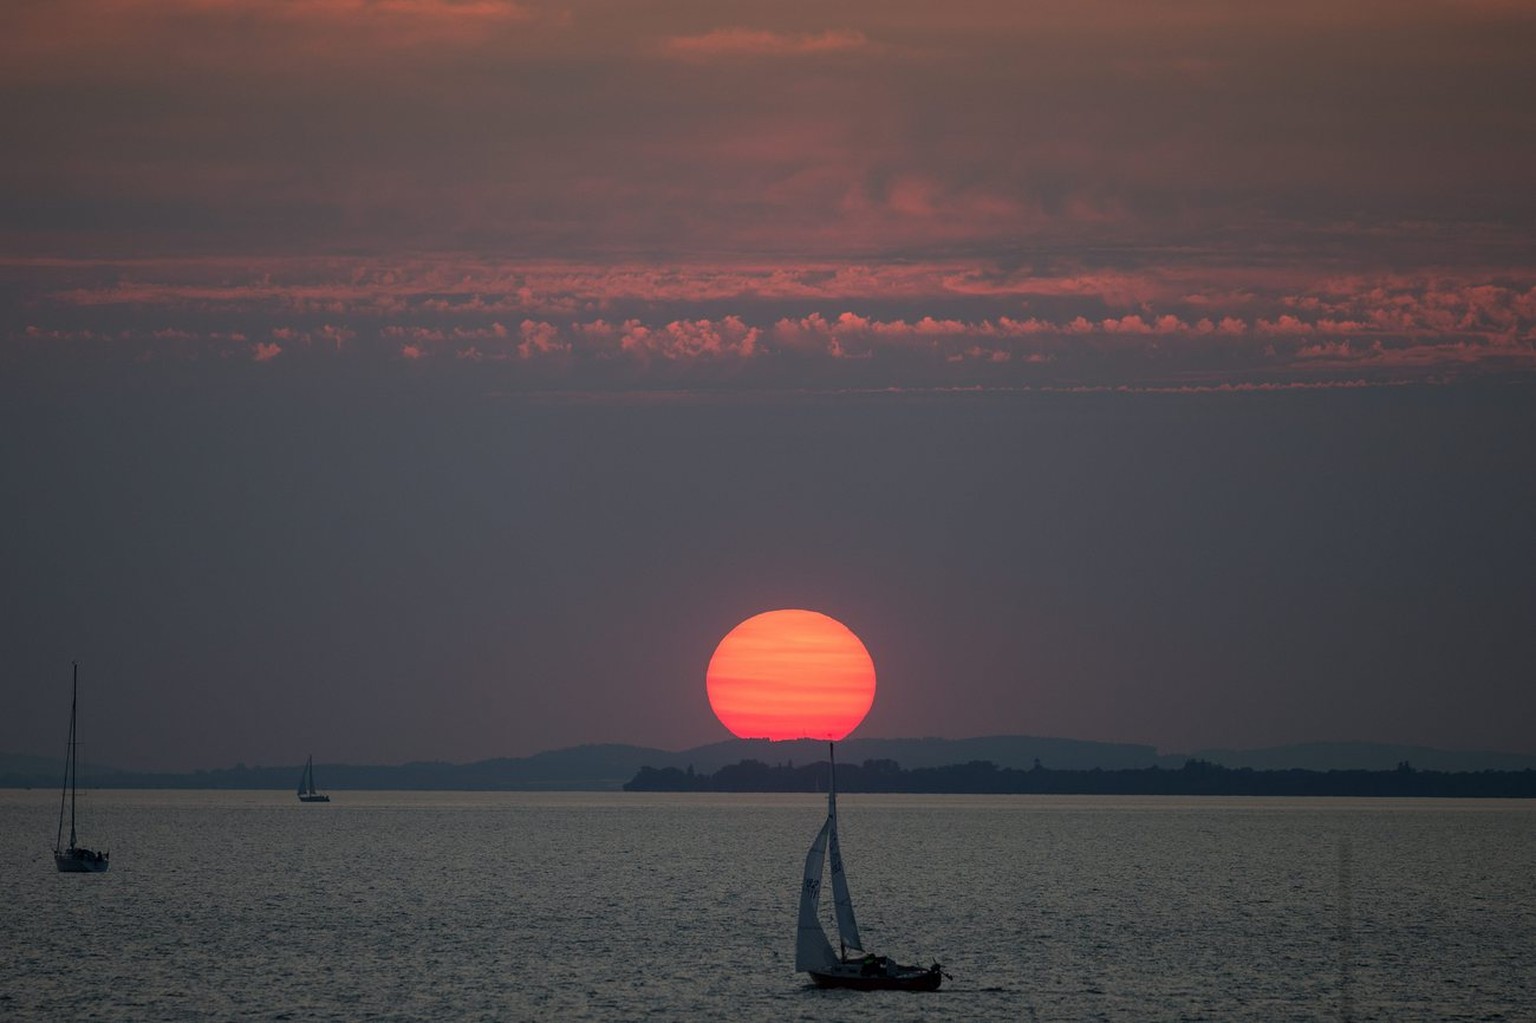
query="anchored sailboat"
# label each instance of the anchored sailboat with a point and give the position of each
(307, 793)
(74, 858)
(850, 966)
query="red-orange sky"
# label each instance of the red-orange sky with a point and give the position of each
(1155, 370)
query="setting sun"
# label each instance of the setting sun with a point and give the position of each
(791, 674)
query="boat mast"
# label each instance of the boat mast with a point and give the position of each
(69, 766)
(847, 927)
(837, 866)
(74, 749)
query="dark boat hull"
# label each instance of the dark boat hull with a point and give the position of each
(81, 861)
(314, 799)
(887, 978)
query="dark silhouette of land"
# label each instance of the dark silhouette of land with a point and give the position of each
(609, 767)
(1195, 778)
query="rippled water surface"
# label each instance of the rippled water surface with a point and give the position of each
(512, 906)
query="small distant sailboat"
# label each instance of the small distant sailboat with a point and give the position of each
(74, 858)
(852, 966)
(307, 793)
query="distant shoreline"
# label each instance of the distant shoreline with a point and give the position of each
(1195, 778)
(1000, 763)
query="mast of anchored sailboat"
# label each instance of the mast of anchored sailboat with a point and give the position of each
(69, 765)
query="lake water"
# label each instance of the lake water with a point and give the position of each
(613, 906)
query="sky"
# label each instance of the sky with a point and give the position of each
(416, 379)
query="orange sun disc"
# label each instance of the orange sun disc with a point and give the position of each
(791, 675)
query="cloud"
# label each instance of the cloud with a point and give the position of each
(690, 339)
(940, 324)
(374, 126)
(540, 339)
(229, 33)
(754, 42)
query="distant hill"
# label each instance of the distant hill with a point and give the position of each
(1363, 756)
(608, 767)
(20, 771)
(601, 767)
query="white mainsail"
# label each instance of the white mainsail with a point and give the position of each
(812, 950)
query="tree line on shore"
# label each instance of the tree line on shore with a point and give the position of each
(1195, 778)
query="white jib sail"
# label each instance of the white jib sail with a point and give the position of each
(847, 926)
(812, 950)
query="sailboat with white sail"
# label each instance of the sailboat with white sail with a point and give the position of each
(307, 793)
(851, 965)
(74, 858)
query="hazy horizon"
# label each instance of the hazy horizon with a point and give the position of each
(774, 746)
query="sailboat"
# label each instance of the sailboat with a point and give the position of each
(307, 793)
(851, 966)
(75, 858)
